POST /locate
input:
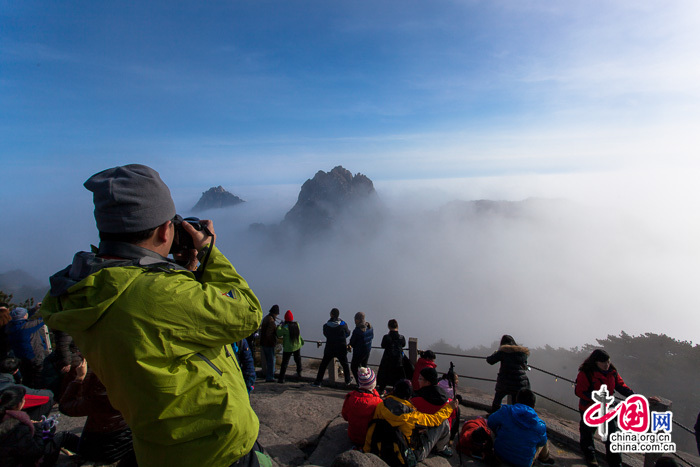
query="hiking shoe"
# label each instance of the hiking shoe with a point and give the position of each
(315, 385)
(447, 452)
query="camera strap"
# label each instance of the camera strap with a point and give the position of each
(205, 258)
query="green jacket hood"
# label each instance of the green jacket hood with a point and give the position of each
(82, 292)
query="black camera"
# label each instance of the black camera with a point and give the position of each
(183, 240)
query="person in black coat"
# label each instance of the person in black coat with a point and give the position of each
(512, 376)
(391, 367)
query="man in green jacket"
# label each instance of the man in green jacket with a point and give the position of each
(153, 332)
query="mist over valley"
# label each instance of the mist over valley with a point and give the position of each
(549, 271)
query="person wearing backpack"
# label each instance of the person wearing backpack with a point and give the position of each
(422, 431)
(291, 344)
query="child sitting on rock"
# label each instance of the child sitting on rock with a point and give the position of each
(359, 406)
(24, 442)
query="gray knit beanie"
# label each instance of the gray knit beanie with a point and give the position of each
(131, 198)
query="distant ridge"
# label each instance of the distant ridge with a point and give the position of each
(216, 197)
(22, 286)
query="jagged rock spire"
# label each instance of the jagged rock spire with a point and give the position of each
(216, 197)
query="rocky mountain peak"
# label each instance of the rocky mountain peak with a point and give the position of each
(325, 196)
(216, 197)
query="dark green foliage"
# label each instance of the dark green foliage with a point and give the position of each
(651, 364)
(5, 297)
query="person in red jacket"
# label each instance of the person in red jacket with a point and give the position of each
(426, 360)
(359, 406)
(595, 371)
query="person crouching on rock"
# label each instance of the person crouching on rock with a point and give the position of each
(359, 406)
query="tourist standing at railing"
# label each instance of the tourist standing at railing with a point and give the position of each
(361, 344)
(391, 366)
(336, 332)
(594, 372)
(291, 344)
(268, 341)
(512, 376)
(426, 360)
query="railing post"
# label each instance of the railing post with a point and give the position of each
(663, 405)
(413, 349)
(333, 368)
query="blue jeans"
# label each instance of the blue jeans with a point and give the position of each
(269, 354)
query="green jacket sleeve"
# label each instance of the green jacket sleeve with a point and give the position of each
(221, 309)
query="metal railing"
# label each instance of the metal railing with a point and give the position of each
(549, 373)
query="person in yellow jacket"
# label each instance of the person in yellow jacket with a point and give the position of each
(423, 431)
(154, 332)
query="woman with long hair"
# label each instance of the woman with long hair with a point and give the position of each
(291, 344)
(512, 376)
(391, 369)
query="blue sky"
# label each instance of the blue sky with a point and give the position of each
(269, 92)
(589, 100)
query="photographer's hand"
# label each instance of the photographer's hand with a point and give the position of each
(200, 237)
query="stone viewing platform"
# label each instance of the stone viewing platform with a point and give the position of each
(301, 426)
